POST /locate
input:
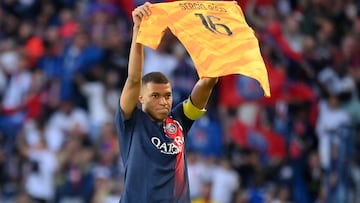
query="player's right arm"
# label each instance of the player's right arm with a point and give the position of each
(131, 91)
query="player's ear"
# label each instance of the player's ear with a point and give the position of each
(141, 99)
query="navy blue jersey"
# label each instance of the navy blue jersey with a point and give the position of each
(154, 157)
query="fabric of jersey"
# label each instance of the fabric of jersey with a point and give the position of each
(215, 34)
(154, 157)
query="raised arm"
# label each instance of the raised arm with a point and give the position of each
(131, 91)
(202, 91)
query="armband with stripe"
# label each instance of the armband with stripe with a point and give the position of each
(191, 111)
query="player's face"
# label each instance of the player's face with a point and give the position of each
(156, 100)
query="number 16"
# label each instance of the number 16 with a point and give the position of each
(213, 26)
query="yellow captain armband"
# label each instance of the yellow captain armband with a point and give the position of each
(191, 111)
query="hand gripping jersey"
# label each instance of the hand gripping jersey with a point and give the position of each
(215, 34)
(154, 156)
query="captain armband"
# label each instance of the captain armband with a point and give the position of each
(191, 111)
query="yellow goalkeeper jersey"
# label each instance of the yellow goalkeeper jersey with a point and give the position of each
(214, 33)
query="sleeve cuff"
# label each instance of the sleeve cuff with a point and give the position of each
(191, 111)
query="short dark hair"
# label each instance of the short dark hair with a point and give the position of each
(155, 77)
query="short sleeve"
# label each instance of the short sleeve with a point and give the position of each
(119, 121)
(152, 29)
(124, 130)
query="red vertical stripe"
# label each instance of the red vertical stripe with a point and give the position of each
(174, 131)
(180, 189)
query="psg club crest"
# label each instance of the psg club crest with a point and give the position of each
(170, 128)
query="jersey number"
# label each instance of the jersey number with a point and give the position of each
(210, 25)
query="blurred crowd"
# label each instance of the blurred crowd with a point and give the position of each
(63, 64)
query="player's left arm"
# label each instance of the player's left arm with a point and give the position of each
(194, 108)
